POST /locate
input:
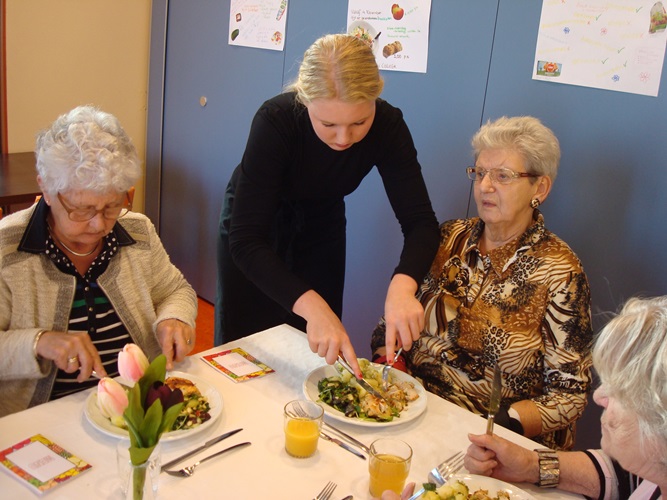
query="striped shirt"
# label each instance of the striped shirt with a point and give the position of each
(92, 313)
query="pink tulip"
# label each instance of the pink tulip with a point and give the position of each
(112, 400)
(132, 363)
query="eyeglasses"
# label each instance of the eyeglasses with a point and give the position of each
(83, 214)
(497, 175)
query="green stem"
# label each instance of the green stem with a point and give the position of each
(138, 481)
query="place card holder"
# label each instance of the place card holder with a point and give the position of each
(237, 364)
(41, 464)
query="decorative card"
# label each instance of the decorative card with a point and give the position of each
(40, 463)
(237, 364)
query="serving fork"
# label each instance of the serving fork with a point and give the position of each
(326, 491)
(387, 367)
(442, 472)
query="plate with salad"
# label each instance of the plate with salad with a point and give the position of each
(203, 406)
(344, 400)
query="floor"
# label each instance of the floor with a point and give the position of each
(205, 327)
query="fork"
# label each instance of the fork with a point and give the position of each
(189, 471)
(387, 367)
(326, 491)
(442, 472)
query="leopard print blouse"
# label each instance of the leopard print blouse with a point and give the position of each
(526, 306)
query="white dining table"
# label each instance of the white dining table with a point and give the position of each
(264, 469)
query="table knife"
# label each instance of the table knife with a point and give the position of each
(348, 437)
(494, 402)
(361, 381)
(342, 445)
(207, 444)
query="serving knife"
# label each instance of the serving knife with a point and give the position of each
(494, 402)
(348, 437)
(361, 381)
(207, 444)
(342, 445)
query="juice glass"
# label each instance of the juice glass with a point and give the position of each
(388, 465)
(302, 423)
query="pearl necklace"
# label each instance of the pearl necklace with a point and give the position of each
(86, 254)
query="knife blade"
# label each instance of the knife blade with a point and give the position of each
(348, 437)
(343, 445)
(207, 444)
(361, 381)
(494, 401)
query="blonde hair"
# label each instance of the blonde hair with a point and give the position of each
(536, 143)
(630, 356)
(340, 67)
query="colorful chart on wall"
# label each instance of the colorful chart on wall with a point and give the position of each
(258, 23)
(396, 30)
(617, 45)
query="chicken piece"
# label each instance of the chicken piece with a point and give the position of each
(187, 387)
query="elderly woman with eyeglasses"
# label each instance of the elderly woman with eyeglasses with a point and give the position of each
(80, 274)
(504, 290)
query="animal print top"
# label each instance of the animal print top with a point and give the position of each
(525, 305)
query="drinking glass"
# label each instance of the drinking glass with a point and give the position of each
(388, 465)
(302, 424)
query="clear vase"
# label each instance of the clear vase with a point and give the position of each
(138, 482)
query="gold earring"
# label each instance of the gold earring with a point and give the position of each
(534, 203)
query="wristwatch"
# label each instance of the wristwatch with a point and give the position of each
(549, 468)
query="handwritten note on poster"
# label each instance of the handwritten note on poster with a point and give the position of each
(617, 45)
(258, 23)
(396, 30)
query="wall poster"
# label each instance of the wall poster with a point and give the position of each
(613, 45)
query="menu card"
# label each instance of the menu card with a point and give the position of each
(40, 463)
(237, 364)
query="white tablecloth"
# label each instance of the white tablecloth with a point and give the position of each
(262, 470)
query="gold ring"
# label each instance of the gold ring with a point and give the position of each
(73, 359)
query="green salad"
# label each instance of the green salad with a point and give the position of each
(343, 393)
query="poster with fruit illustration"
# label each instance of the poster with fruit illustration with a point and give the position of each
(258, 23)
(396, 30)
(612, 45)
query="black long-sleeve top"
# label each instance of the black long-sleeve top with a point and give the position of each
(285, 162)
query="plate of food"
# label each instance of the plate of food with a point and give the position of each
(476, 487)
(202, 409)
(344, 400)
(364, 31)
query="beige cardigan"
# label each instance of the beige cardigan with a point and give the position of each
(140, 281)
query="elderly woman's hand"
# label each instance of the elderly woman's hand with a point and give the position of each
(70, 352)
(403, 313)
(177, 339)
(491, 455)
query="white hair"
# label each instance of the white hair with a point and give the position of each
(630, 356)
(86, 149)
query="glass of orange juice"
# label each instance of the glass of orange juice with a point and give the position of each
(303, 421)
(388, 465)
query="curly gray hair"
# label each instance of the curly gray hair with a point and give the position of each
(630, 356)
(86, 149)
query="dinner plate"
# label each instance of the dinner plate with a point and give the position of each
(414, 409)
(104, 425)
(475, 482)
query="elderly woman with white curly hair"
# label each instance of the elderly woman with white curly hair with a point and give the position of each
(630, 356)
(80, 274)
